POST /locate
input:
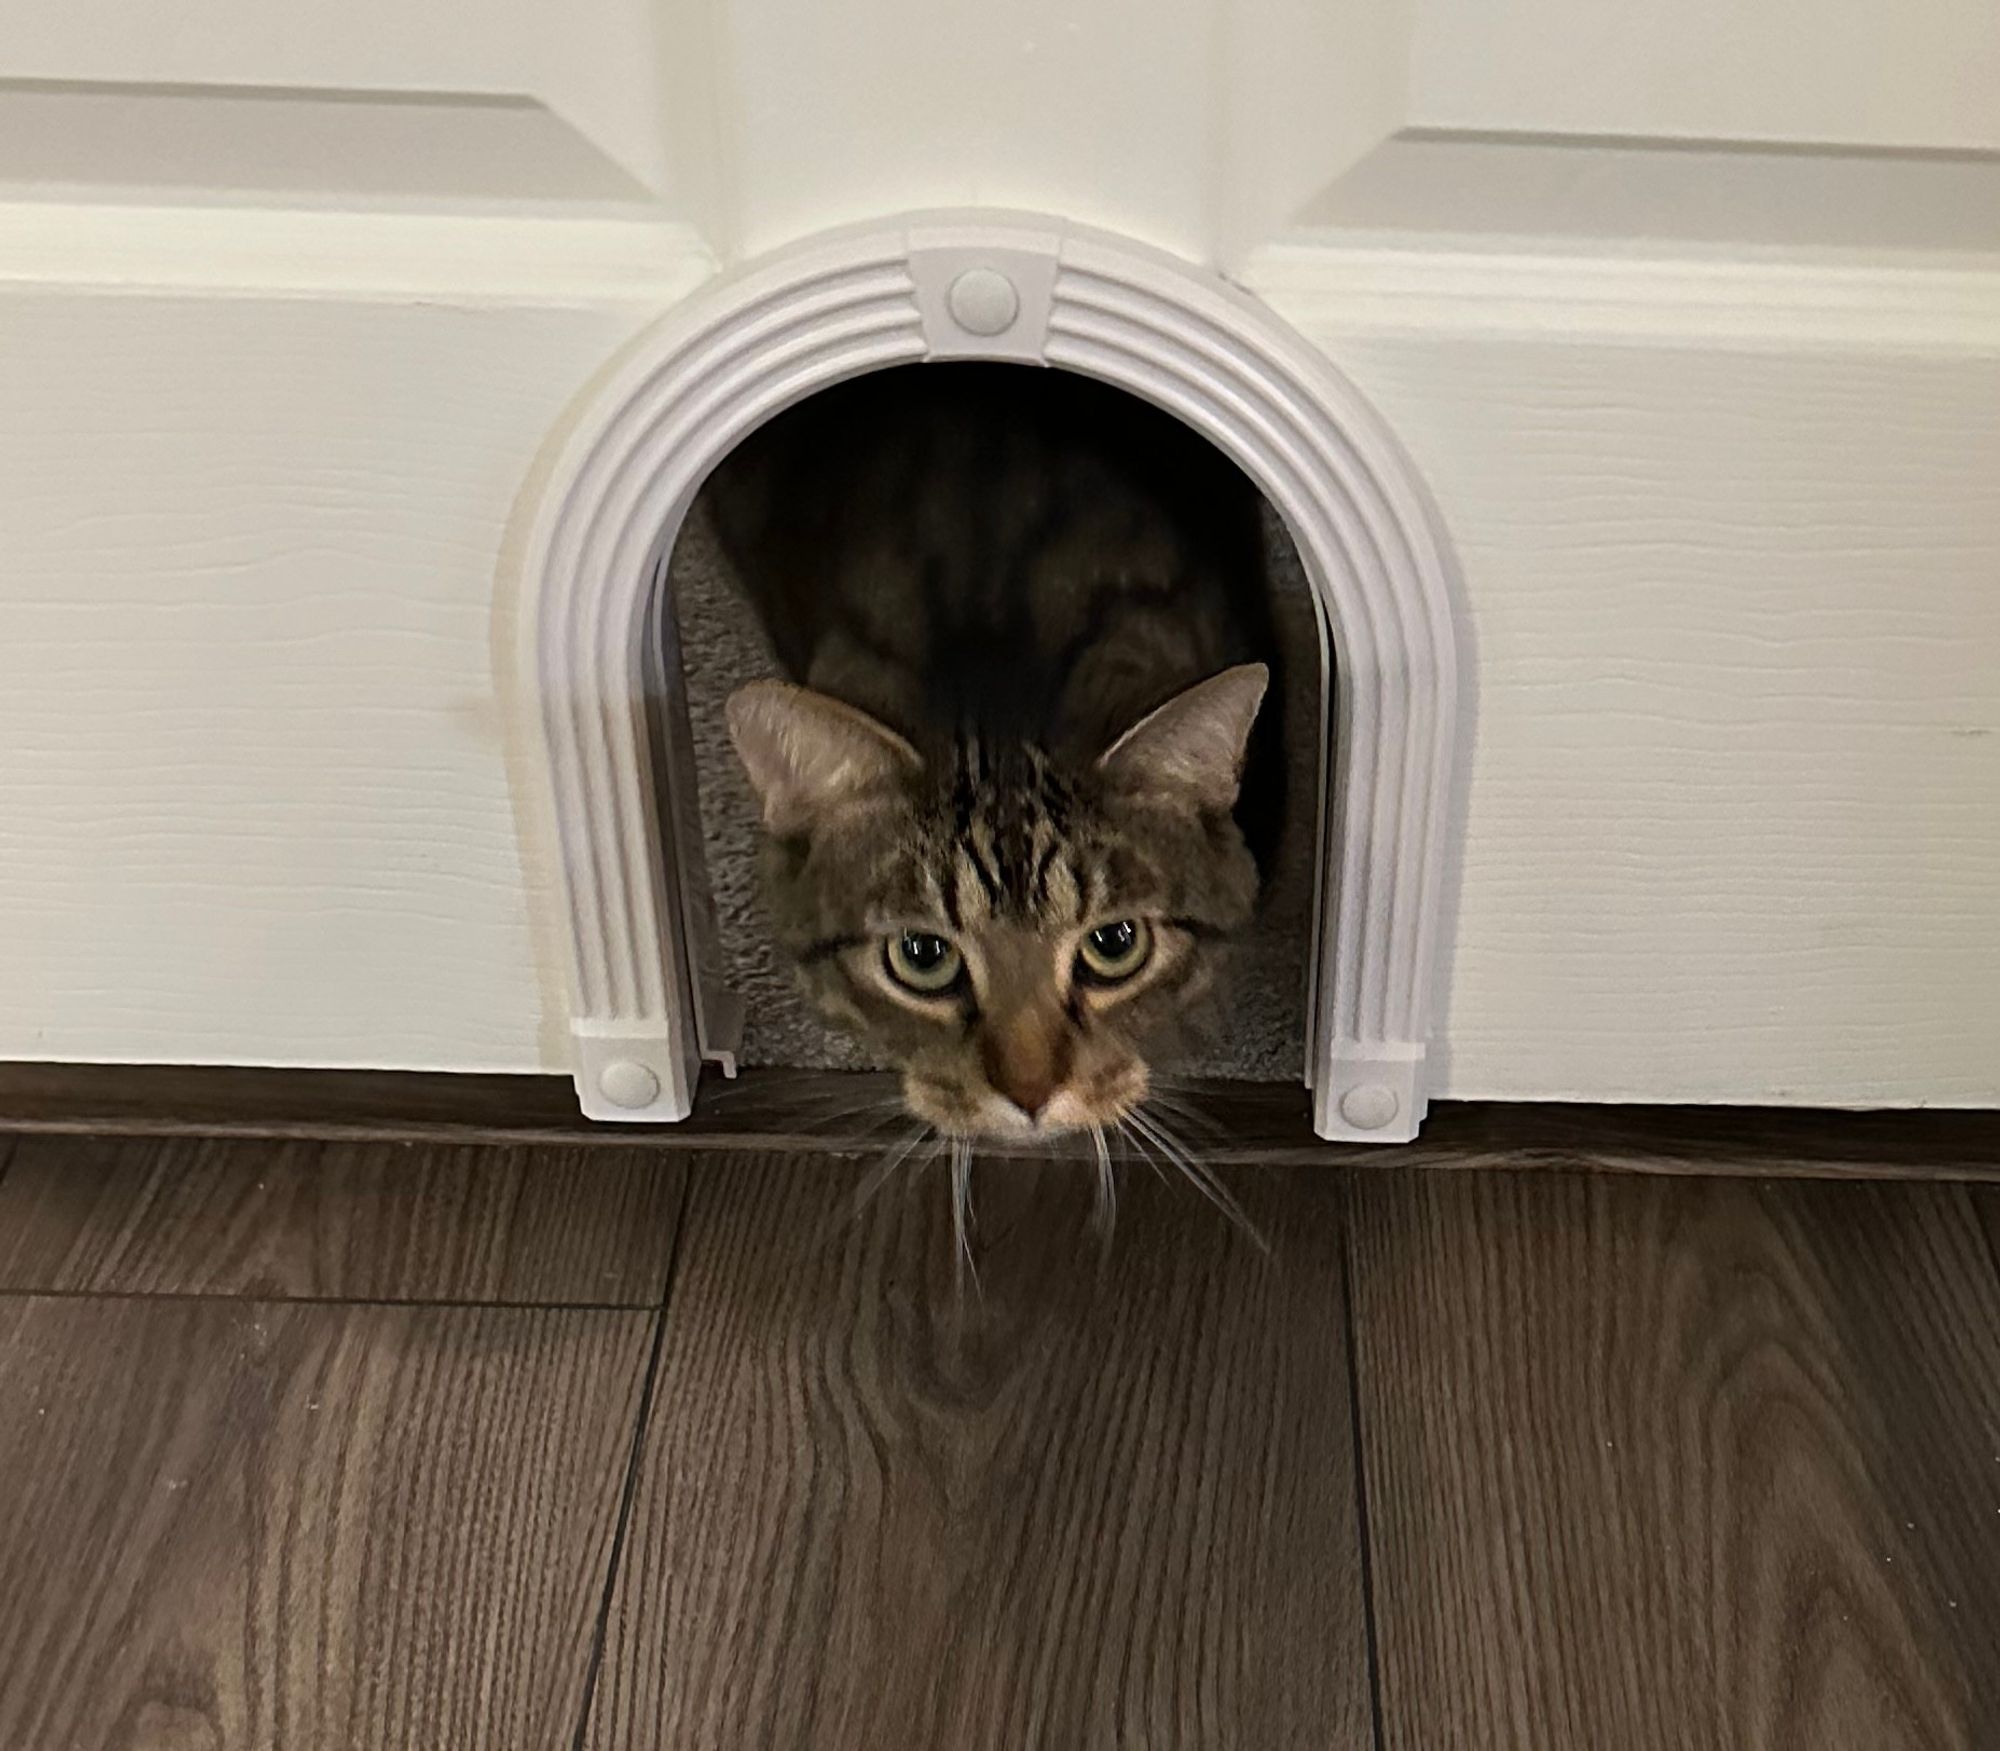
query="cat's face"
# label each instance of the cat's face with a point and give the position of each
(1008, 930)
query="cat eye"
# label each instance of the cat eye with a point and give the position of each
(1112, 953)
(921, 961)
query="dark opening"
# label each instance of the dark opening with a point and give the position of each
(964, 422)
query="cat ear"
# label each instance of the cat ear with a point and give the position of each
(1194, 743)
(806, 753)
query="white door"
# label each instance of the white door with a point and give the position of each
(1689, 312)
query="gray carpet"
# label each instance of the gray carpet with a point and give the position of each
(1252, 1026)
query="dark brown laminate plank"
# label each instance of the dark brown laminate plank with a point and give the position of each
(1096, 1502)
(818, 1111)
(306, 1528)
(1674, 1463)
(352, 1221)
(1986, 1200)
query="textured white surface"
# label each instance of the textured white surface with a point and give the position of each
(1707, 196)
(1895, 73)
(460, 260)
(1735, 778)
(1207, 126)
(253, 801)
(1728, 505)
(466, 98)
(1734, 822)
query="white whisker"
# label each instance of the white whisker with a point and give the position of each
(1131, 1140)
(881, 1106)
(1104, 1207)
(884, 1170)
(1199, 1176)
(866, 1135)
(1187, 1114)
(788, 1099)
(961, 1209)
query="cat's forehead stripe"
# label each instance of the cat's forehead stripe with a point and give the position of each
(998, 843)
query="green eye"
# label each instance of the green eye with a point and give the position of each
(923, 962)
(1112, 953)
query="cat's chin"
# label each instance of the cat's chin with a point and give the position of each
(1037, 1140)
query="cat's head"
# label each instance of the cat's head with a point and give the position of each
(1008, 929)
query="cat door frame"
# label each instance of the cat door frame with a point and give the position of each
(645, 1006)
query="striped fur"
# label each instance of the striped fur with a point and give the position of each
(1006, 570)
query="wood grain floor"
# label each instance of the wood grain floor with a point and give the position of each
(1701, 1464)
(328, 1445)
(1097, 1497)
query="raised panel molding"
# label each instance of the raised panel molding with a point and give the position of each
(180, 142)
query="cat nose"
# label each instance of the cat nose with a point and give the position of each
(1031, 1098)
(1026, 1068)
(1029, 1094)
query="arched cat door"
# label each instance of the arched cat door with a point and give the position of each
(621, 476)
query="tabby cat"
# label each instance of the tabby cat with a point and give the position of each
(1023, 622)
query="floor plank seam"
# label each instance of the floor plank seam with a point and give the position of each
(1364, 1535)
(633, 1459)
